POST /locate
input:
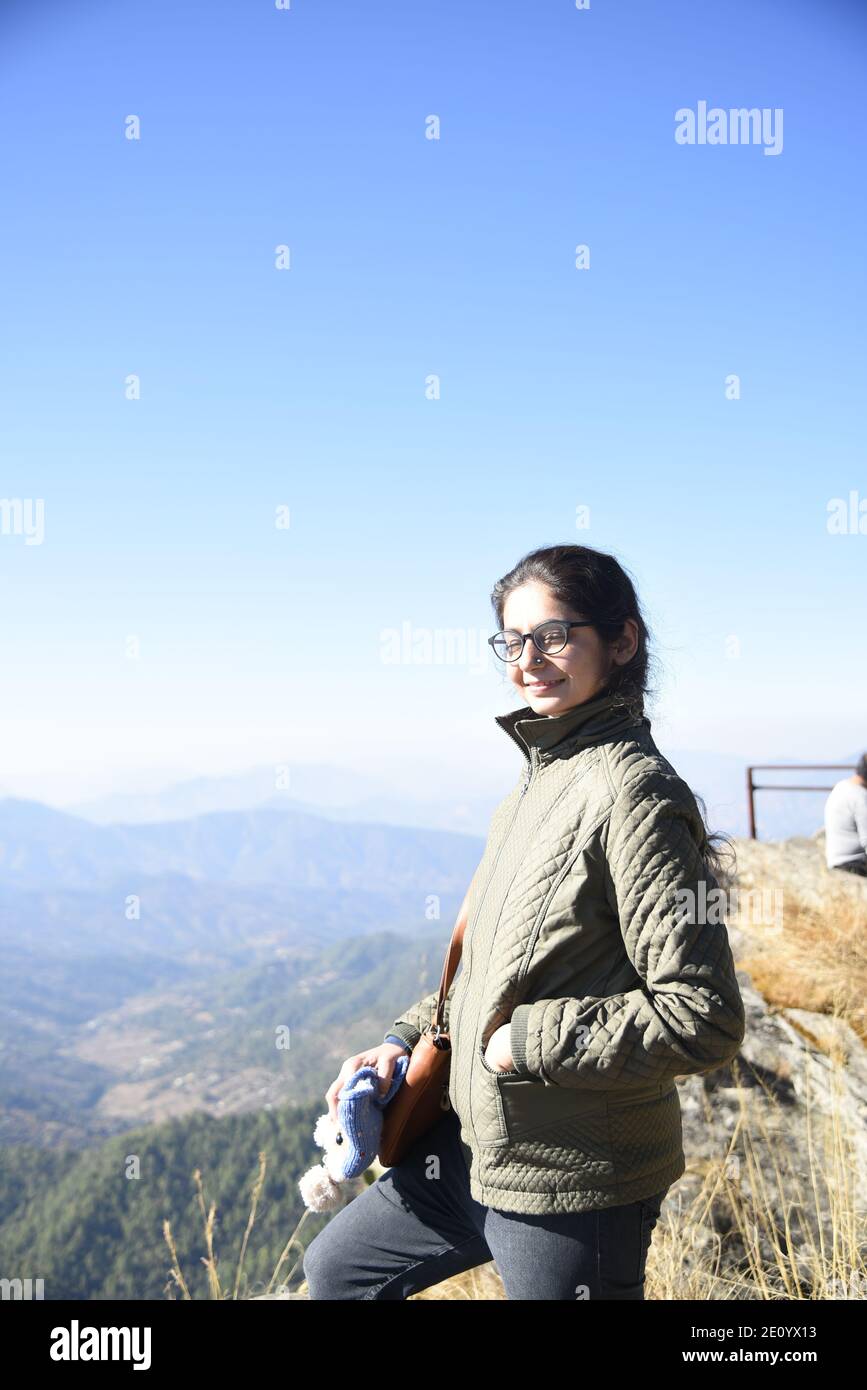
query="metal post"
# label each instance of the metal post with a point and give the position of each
(753, 787)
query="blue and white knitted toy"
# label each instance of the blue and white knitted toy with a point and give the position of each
(351, 1144)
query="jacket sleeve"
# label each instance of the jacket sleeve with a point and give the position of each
(413, 1021)
(687, 1014)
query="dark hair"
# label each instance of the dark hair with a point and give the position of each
(595, 584)
(861, 768)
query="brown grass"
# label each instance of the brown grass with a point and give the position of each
(818, 961)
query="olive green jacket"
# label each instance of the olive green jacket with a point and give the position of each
(589, 931)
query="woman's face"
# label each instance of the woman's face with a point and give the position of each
(576, 673)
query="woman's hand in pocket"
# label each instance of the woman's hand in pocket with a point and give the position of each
(498, 1053)
(382, 1057)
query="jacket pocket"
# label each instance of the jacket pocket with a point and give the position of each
(494, 1071)
(559, 1133)
(531, 1105)
(487, 1109)
(645, 1127)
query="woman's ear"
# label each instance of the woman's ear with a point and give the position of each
(626, 645)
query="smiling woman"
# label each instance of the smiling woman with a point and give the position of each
(585, 990)
(601, 644)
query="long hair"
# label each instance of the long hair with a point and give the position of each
(596, 585)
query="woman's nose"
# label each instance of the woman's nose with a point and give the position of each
(529, 656)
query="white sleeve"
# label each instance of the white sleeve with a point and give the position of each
(859, 808)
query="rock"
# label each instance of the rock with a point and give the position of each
(776, 1142)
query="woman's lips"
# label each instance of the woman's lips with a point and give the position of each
(541, 686)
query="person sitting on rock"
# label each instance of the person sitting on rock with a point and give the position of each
(846, 822)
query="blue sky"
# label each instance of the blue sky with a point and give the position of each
(305, 387)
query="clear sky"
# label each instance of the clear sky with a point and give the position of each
(163, 620)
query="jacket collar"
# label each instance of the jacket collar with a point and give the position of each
(582, 725)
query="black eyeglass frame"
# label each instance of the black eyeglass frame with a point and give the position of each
(561, 622)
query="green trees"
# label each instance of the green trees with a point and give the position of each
(90, 1223)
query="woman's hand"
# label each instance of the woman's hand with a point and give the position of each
(382, 1057)
(498, 1053)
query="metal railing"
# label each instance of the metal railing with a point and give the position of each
(753, 787)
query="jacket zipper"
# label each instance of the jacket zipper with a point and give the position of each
(532, 764)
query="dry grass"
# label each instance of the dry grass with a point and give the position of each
(819, 959)
(756, 1206)
(813, 955)
(215, 1290)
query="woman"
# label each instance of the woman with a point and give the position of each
(591, 977)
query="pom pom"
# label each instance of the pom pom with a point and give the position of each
(319, 1190)
(325, 1131)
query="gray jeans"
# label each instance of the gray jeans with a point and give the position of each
(408, 1231)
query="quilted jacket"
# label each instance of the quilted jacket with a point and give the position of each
(588, 932)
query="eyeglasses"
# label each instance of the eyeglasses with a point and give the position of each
(548, 638)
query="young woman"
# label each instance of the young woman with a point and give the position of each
(596, 969)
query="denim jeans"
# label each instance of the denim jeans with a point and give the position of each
(408, 1231)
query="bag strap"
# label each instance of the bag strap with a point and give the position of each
(450, 965)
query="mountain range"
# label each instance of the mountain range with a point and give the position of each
(344, 795)
(150, 969)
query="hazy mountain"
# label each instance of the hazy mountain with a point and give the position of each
(93, 1043)
(341, 795)
(146, 968)
(312, 790)
(307, 786)
(42, 847)
(184, 919)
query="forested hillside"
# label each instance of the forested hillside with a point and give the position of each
(84, 1224)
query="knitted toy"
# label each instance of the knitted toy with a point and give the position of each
(350, 1145)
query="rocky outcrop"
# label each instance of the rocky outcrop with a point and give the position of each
(775, 1193)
